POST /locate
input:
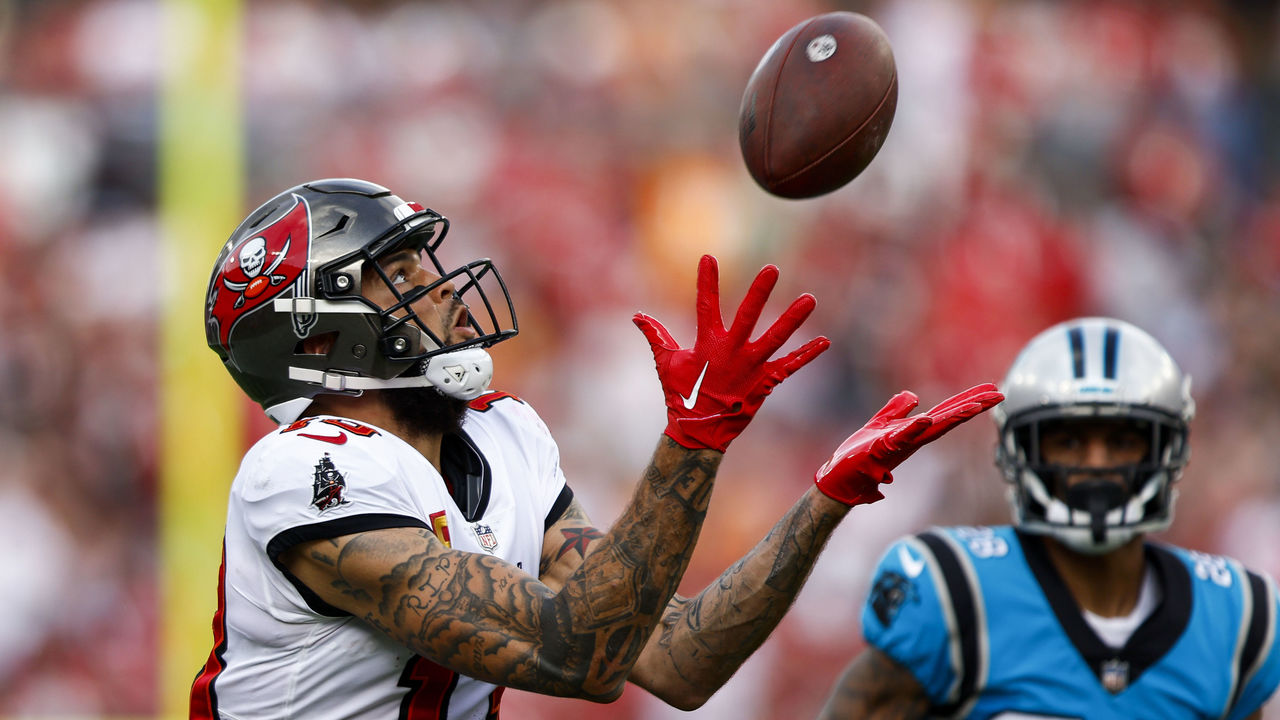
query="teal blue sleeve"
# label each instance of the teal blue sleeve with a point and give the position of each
(904, 618)
(1262, 685)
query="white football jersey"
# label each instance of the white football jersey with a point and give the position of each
(282, 652)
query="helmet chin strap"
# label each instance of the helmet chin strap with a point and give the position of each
(463, 374)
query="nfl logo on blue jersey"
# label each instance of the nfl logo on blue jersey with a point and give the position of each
(1115, 675)
(485, 535)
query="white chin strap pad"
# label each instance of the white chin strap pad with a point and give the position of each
(462, 374)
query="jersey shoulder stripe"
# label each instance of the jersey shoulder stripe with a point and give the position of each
(926, 610)
(1262, 625)
(961, 603)
(1257, 630)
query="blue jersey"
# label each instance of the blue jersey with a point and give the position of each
(985, 623)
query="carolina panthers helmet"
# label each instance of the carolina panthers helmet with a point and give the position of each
(1096, 368)
(293, 270)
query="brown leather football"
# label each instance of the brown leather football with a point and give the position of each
(819, 105)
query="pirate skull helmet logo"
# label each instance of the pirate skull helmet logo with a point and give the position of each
(260, 267)
(253, 255)
(244, 272)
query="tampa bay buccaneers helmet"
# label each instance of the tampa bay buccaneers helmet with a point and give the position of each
(293, 270)
(1102, 369)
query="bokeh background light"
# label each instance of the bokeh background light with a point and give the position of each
(1049, 159)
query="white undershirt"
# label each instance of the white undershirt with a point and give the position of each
(1116, 631)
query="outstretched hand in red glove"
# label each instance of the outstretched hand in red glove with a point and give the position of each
(867, 458)
(715, 387)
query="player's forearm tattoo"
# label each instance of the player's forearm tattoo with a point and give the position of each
(476, 613)
(875, 687)
(709, 636)
(802, 533)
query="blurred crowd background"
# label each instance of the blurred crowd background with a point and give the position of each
(1048, 160)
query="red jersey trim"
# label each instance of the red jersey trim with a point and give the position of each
(204, 699)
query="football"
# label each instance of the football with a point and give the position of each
(819, 105)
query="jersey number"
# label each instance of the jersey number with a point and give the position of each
(430, 686)
(486, 401)
(350, 426)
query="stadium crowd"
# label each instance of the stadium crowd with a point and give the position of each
(1048, 160)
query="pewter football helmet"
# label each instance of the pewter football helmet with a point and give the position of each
(1096, 368)
(292, 270)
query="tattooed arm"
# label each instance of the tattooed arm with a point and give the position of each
(877, 688)
(485, 618)
(702, 641)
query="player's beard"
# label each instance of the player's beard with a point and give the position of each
(426, 410)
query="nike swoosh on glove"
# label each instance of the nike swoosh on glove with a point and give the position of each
(714, 388)
(867, 458)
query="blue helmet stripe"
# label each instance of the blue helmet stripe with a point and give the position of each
(1076, 336)
(1110, 349)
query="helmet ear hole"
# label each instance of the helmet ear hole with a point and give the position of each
(319, 344)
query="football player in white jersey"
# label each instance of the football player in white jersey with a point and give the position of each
(405, 545)
(1071, 612)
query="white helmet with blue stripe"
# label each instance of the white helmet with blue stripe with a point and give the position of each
(1093, 368)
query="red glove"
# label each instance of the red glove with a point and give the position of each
(868, 456)
(714, 388)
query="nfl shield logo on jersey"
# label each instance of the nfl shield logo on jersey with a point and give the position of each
(485, 535)
(1115, 675)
